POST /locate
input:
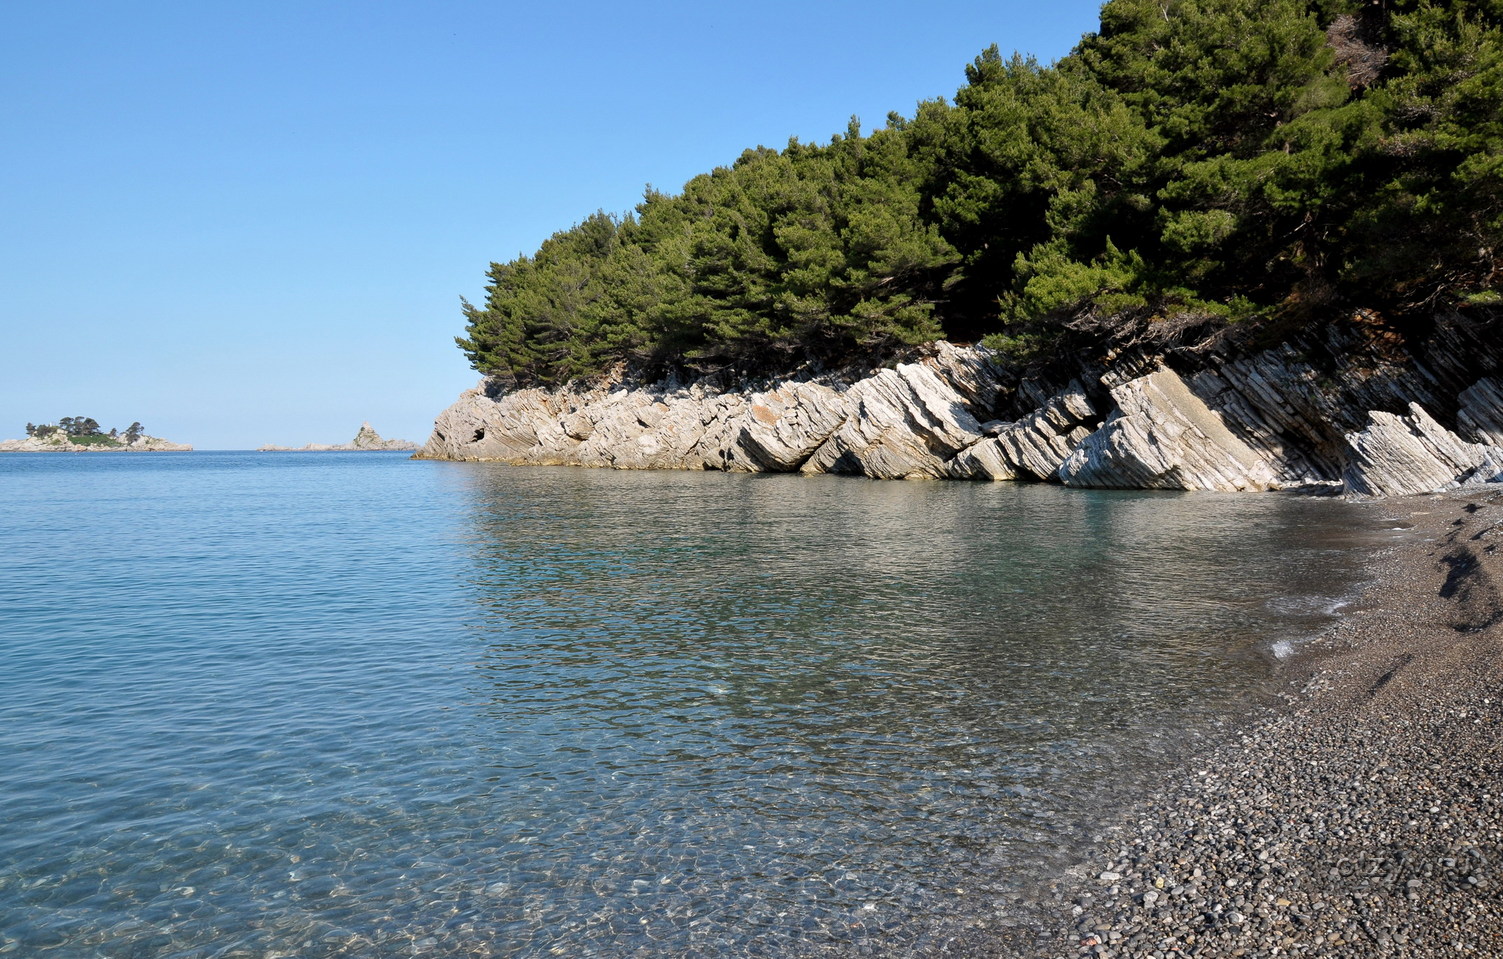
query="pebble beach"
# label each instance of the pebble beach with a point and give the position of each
(1362, 816)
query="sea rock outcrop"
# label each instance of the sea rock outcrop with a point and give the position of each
(366, 439)
(1354, 406)
(787, 424)
(904, 422)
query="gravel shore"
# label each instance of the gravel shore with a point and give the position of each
(1362, 818)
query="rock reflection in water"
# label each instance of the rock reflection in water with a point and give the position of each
(746, 709)
(383, 708)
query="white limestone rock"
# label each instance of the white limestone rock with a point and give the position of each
(614, 427)
(785, 425)
(984, 460)
(1163, 436)
(641, 428)
(902, 424)
(1490, 470)
(1033, 447)
(1400, 455)
(971, 371)
(1291, 416)
(506, 428)
(1039, 444)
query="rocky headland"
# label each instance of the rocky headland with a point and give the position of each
(1358, 406)
(366, 439)
(59, 443)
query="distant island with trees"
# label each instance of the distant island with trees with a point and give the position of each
(85, 430)
(83, 434)
(1267, 163)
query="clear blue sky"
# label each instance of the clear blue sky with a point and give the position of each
(243, 223)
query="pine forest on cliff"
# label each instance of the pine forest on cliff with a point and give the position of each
(1210, 161)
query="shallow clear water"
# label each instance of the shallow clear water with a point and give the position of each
(347, 704)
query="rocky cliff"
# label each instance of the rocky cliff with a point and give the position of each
(1357, 406)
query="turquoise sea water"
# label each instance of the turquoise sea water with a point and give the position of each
(326, 704)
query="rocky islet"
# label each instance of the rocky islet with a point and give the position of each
(58, 443)
(366, 440)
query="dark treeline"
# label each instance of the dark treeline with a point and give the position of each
(1192, 158)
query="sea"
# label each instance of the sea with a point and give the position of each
(259, 705)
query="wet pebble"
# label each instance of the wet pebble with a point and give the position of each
(1358, 818)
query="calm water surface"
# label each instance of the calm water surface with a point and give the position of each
(257, 705)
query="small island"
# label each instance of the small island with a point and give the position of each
(366, 440)
(83, 434)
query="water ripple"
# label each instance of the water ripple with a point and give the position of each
(345, 704)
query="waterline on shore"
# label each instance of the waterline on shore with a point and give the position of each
(1364, 816)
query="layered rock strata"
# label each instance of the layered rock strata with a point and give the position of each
(1356, 407)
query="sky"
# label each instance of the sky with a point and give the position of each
(252, 223)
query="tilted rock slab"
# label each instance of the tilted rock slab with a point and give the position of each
(1481, 413)
(786, 425)
(905, 422)
(1163, 436)
(1305, 414)
(1034, 447)
(1398, 455)
(900, 424)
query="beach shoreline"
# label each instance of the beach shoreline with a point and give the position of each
(1360, 816)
